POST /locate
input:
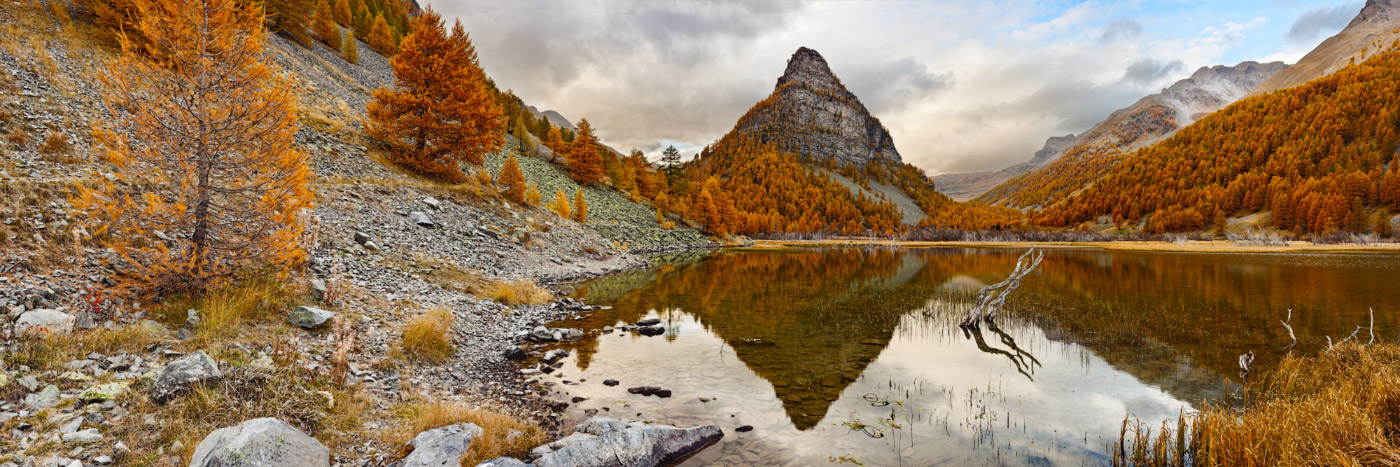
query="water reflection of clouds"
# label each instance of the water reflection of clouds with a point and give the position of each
(1063, 417)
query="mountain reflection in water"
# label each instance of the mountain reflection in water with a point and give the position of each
(854, 354)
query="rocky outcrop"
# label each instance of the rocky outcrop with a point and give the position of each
(310, 317)
(181, 374)
(1146, 122)
(1373, 30)
(602, 441)
(44, 322)
(260, 442)
(442, 447)
(812, 114)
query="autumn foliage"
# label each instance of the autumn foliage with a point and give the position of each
(203, 133)
(513, 180)
(585, 165)
(580, 207)
(1321, 157)
(381, 38)
(560, 205)
(440, 112)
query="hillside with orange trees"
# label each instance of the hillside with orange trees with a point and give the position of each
(775, 172)
(1321, 157)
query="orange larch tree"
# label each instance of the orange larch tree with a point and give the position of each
(290, 16)
(580, 207)
(323, 25)
(203, 132)
(560, 205)
(440, 112)
(555, 143)
(513, 180)
(585, 165)
(381, 39)
(342, 13)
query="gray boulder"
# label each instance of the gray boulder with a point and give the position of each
(44, 321)
(262, 442)
(43, 399)
(504, 462)
(318, 289)
(179, 375)
(418, 217)
(310, 317)
(602, 441)
(442, 447)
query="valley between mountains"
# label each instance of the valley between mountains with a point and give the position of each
(318, 232)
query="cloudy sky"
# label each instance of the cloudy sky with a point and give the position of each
(962, 85)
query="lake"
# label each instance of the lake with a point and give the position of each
(854, 356)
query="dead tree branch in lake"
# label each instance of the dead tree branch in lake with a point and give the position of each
(989, 302)
(1288, 326)
(1370, 328)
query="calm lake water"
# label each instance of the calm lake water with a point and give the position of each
(845, 356)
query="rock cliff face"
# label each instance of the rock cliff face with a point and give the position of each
(813, 115)
(1373, 30)
(1149, 120)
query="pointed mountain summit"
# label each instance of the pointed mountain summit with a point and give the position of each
(1373, 30)
(811, 114)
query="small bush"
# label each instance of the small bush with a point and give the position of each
(532, 196)
(560, 205)
(521, 293)
(55, 142)
(425, 337)
(503, 435)
(17, 136)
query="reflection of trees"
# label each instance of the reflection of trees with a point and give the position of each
(1023, 360)
(810, 321)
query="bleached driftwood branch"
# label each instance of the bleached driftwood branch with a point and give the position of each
(989, 302)
(1290, 329)
(1369, 328)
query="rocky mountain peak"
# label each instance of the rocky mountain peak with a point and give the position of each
(808, 67)
(1378, 12)
(812, 115)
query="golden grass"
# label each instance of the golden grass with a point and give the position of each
(496, 440)
(50, 352)
(1338, 408)
(17, 136)
(227, 307)
(524, 292)
(244, 393)
(425, 337)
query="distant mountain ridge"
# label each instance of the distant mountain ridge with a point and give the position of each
(553, 117)
(1146, 122)
(1373, 30)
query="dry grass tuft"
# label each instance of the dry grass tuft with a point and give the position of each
(17, 136)
(425, 337)
(1338, 408)
(497, 439)
(50, 352)
(245, 393)
(227, 307)
(521, 293)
